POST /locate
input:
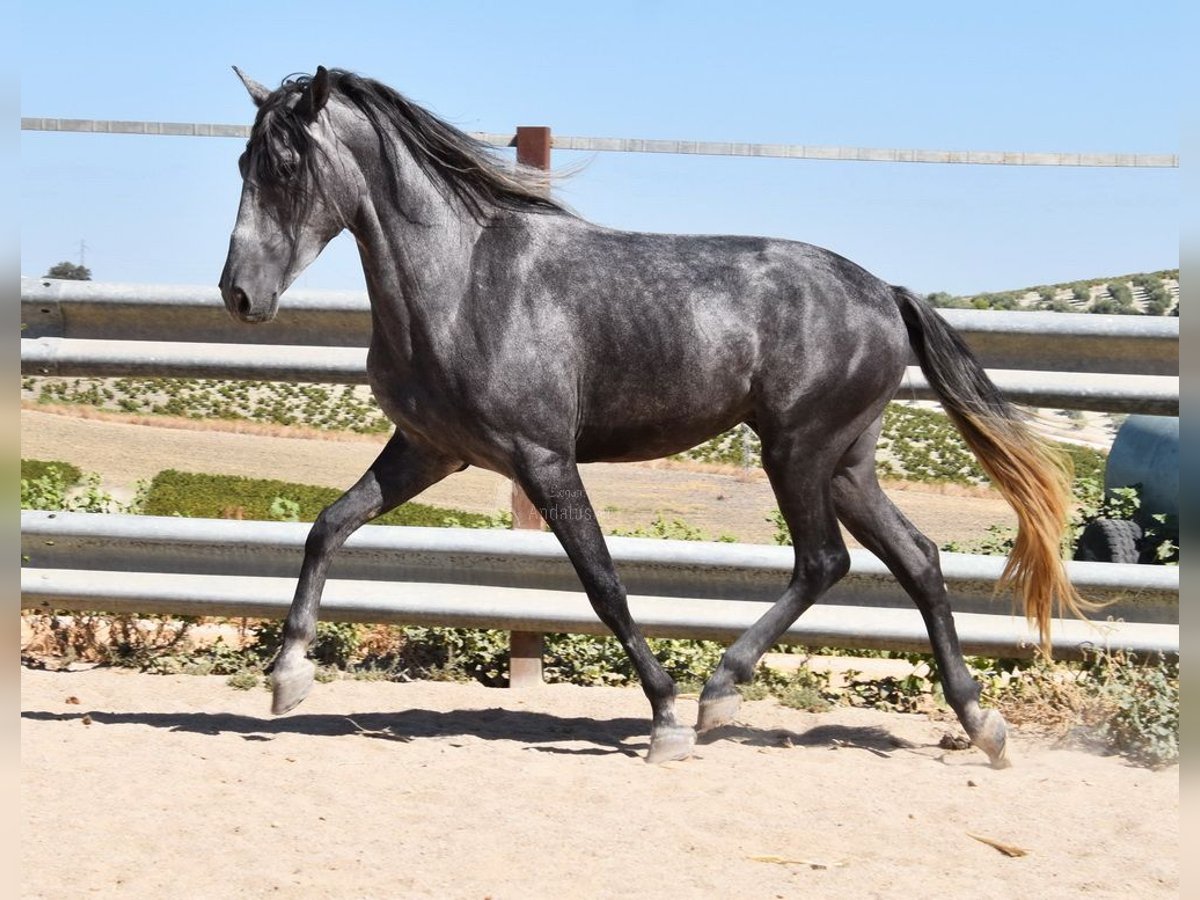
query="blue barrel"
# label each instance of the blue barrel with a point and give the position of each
(1146, 452)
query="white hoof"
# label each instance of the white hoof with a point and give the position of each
(992, 738)
(718, 712)
(666, 744)
(291, 682)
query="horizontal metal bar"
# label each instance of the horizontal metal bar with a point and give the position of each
(1155, 395)
(1149, 394)
(1069, 342)
(519, 609)
(1136, 345)
(704, 148)
(536, 561)
(171, 359)
(165, 312)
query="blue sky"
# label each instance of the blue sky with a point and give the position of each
(1015, 76)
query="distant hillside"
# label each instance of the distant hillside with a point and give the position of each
(1152, 294)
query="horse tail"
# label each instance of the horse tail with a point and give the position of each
(1034, 477)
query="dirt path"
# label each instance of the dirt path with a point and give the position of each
(182, 786)
(625, 496)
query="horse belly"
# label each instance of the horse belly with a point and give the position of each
(657, 426)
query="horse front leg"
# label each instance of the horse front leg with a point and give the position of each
(401, 471)
(552, 482)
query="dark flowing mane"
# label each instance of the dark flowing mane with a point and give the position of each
(459, 165)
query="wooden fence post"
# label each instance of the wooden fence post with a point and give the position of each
(525, 648)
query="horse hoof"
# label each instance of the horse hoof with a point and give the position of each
(290, 684)
(992, 738)
(666, 744)
(718, 712)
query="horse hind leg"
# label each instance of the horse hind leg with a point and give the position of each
(800, 477)
(875, 521)
(401, 471)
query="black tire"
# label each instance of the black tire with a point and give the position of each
(1110, 540)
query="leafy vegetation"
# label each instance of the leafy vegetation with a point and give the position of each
(1127, 706)
(675, 529)
(69, 271)
(1130, 706)
(32, 469)
(1112, 296)
(53, 485)
(173, 493)
(916, 444)
(323, 406)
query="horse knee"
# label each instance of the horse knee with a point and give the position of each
(322, 535)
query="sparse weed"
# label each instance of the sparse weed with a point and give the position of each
(245, 680)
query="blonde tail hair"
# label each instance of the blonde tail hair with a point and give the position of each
(1033, 476)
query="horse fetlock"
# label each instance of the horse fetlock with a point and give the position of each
(671, 742)
(290, 683)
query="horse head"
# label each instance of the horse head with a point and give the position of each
(289, 209)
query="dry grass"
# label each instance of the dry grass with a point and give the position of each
(96, 637)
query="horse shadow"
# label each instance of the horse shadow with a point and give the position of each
(872, 738)
(542, 732)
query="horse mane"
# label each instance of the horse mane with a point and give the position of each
(459, 165)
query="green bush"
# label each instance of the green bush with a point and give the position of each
(62, 487)
(675, 529)
(336, 644)
(1131, 705)
(1143, 724)
(172, 492)
(39, 468)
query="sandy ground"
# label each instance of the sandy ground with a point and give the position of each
(625, 496)
(184, 787)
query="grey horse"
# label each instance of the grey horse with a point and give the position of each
(511, 334)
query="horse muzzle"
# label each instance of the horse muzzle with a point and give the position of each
(248, 305)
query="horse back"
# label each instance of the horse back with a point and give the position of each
(655, 341)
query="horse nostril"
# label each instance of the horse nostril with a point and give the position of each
(241, 302)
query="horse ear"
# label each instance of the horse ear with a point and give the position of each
(258, 93)
(317, 95)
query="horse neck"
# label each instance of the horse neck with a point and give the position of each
(416, 257)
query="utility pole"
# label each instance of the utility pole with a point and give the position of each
(82, 252)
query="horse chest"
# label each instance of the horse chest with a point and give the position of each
(431, 410)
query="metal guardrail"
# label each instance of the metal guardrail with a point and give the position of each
(523, 581)
(78, 328)
(1150, 394)
(1047, 341)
